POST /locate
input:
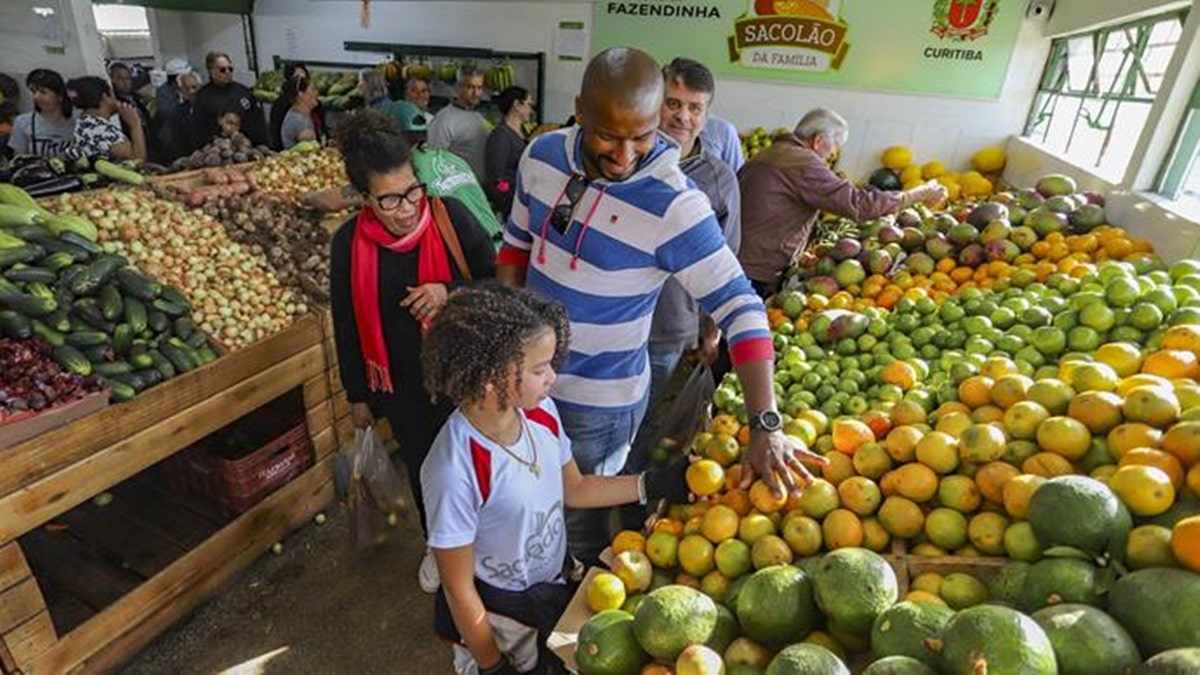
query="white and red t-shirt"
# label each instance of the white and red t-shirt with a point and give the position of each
(478, 494)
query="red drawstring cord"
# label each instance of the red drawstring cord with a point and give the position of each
(541, 256)
(586, 223)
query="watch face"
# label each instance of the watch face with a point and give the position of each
(771, 420)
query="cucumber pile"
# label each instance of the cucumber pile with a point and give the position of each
(101, 316)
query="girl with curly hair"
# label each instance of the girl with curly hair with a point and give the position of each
(500, 473)
(392, 265)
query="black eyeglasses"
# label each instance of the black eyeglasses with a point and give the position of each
(564, 213)
(412, 195)
(225, 69)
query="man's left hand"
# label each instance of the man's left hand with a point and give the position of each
(425, 300)
(710, 340)
(777, 459)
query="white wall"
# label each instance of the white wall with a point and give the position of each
(192, 35)
(1073, 16)
(318, 29)
(22, 47)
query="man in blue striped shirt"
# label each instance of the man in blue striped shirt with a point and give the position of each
(603, 216)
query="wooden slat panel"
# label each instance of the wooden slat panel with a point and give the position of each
(324, 443)
(316, 389)
(345, 432)
(19, 603)
(144, 549)
(57, 493)
(69, 567)
(31, 638)
(133, 621)
(319, 417)
(341, 406)
(170, 518)
(49, 452)
(12, 566)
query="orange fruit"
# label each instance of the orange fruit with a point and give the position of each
(720, 523)
(871, 460)
(997, 367)
(1146, 490)
(946, 528)
(1186, 337)
(901, 517)
(859, 494)
(628, 540)
(915, 481)
(954, 423)
(875, 535)
(902, 443)
(1023, 418)
(705, 477)
(1183, 441)
(899, 373)
(668, 525)
(839, 468)
(818, 498)
(1100, 411)
(1185, 542)
(738, 500)
(1065, 436)
(1047, 465)
(1017, 492)
(733, 477)
(976, 391)
(1010, 389)
(986, 531)
(981, 443)
(1165, 461)
(1156, 406)
(769, 551)
(696, 555)
(1130, 435)
(878, 421)
(907, 412)
(1125, 359)
(764, 500)
(725, 424)
(1141, 380)
(849, 434)
(938, 451)
(1193, 480)
(987, 413)
(959, 493)
(722, 449)
(1172, 363)
(842, 529)
(991, 478)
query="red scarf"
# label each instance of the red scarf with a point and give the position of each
(433, 266)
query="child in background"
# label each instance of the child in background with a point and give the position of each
(499, 475)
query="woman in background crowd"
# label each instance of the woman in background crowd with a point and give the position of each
(95, 132)
(505, 145)
(297, 124)
(48, 129)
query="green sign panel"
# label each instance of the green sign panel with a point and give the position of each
(949, 47)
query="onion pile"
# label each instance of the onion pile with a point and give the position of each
(235, 295)
(295, 174)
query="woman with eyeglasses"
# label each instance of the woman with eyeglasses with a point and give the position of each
(505, 145)
(393, 265)
(48, 129)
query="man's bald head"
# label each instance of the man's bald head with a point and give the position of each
(622, 77)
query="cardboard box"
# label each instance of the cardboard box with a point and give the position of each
(566, 632)
(20, 428)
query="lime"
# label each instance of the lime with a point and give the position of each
(1048, 340)
(1083, 339)
(1145, 316)
(1098, 316)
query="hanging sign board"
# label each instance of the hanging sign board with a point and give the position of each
(950, 47)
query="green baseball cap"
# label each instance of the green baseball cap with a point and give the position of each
(409, 117)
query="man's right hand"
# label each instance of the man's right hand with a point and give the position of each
(931, 193)
(128, 114)
(360, 414)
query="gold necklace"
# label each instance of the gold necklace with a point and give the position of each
(534, 466)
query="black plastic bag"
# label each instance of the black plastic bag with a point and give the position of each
(375, 494)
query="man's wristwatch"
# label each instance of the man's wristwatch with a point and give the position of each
(767, 420)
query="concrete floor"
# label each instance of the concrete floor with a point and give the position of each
(319, 607)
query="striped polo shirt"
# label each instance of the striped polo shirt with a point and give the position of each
(609, 266)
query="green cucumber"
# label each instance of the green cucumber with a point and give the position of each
(111, 305)
(138, 285)
(122, 338)
(47, 333)
(158, 322)
(15, 325)
(87, 338)
(29, 274)
(135, 314)
(72, 360)
(112, 368)
(120, 391)
(162, 364)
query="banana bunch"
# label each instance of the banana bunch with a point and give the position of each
(421, 69)
(500, 78)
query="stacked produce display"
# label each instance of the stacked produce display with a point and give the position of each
(1008, 394)
(32, 381)
(337, 90)
(295, 173)
(100, 314)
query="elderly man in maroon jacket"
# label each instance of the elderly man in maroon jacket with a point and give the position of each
(785, 187)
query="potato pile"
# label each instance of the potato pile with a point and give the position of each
(235, 295)
(291, 237)
(222, 151)
(295, 174)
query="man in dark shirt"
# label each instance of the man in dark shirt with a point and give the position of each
(787, 186)
(222, 95)
(678, 325)
(121, 78)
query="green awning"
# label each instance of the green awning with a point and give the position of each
(222, 6)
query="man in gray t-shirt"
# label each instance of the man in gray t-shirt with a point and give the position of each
(459, 128)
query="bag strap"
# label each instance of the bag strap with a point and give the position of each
(450, 237)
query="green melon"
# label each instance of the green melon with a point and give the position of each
(1006, 586)
(898, 665)
(997, 640)
(744, 669)
(724, 632)
(607, 645)
(903, 628)
(1182, 661)
(776, 606)
(1074, 511)
(852, 586)
(1086, 640)
(1160, 607)
(1056, 580)
(673, 617)
(806, 659)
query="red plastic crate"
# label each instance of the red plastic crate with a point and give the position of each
(235, 485)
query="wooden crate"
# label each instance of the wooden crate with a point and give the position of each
(982, 568)
(46, 477)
